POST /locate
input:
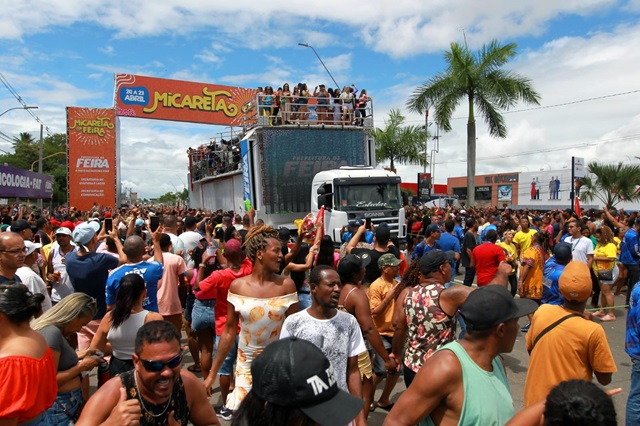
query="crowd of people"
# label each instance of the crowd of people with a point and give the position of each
(334, 106)
(297, 331)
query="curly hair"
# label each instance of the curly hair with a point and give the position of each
(606, 233)
(256, 239)
(412, 275)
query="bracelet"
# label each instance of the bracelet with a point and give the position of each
(202, 265)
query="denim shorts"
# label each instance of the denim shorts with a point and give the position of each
(227, 366)
(202, 316)
(71, 401)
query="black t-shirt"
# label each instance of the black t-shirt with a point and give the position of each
(468, 242)
(44, 238)
(373, 272)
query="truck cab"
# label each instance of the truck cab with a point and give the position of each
(358, 192)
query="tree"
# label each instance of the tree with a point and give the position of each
(478, 77)
(610, 183)
(400, 143)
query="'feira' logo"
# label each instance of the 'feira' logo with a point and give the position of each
(134, 95)
(91, 126)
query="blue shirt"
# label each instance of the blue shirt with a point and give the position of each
(449, 242)
(368, 236)
(630, 248)
(88, 274)
(423, 248)
(150, 271)
(488, 228)
(632, 337)
(550, 291)
(458, 232)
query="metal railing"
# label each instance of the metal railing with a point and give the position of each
(292, 110)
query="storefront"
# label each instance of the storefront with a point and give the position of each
(491, 190)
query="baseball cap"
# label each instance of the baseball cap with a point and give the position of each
(31, 246)
(294, 373)
(463, 211)
(68, 224)
(63, 231)
(491, 305)
(84, 232)
(353, 263)
(284, 234)
(575, 282)
(232, 246)
(431, 229)
(562, 251)
(55, 223)
(357, 222)
(19, 225)
(388, 259)
(383, 233)
(537, 219)
(432, 260)
(139, 222)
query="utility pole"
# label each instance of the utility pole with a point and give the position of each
(40, 151)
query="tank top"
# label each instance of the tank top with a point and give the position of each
(63, 288)
(178, 403)
(490, 402)
(123, 338)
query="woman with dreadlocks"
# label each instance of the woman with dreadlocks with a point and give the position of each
(259, 303)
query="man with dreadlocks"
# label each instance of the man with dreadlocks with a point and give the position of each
(259, 302)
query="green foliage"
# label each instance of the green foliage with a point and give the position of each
(479, 78)
(610, 183)
(25, 154)
(400, 143)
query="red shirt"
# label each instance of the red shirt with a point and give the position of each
(216, 286)
(488, 257)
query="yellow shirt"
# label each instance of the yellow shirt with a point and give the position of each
(608, 250)
(522, 240)
(377, 292)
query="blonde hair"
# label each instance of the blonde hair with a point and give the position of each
(256, 239)
(74, 306)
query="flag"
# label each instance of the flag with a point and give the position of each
(577, 207)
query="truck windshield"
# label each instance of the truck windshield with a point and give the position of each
(369, 197)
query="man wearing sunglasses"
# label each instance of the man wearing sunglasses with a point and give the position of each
(156, 392)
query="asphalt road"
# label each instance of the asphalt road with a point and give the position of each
(517, 364)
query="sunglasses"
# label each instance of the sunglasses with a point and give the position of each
(158, 366)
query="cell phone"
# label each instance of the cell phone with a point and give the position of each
(368, 222)
(154, 223)
(108, 224)
(36, 238)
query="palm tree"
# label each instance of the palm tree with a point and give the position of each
(610, 183)
(400, 143)
(478, 77)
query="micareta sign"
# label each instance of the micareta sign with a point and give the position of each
(163, 99)
(20, 183)
(91, 145)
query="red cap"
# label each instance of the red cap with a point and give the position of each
(67, 224)
(107, 214)
(55, 223)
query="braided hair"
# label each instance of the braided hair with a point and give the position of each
(256, 239)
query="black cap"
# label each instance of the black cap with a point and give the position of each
(357, 222)
(488, 306)
(19, 225)
(383, 233)
(431, 229)
(432, 260)
(284, 234)
(294, 373)
(353, 263)
(562, 251)
(190, 221)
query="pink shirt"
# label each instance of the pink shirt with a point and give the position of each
(168, 298)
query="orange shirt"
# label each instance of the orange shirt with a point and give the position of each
(574, 349)
(377, 292)
(29, 386)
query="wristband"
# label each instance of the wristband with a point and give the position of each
(202, 265)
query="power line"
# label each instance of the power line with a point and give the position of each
(15, 94)
(596, 98)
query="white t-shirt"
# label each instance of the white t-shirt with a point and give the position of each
(339, 338)
(190, 240)
(580, 248)
(35, 285)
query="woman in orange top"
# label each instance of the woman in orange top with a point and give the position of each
(27, 370)
(531, 273)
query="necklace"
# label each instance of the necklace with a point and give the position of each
(135, 378)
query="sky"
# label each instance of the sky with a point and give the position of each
(582, 56)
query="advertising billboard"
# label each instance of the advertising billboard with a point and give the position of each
(91, 153)
(163, 99)
(24, 184)
(424, 186)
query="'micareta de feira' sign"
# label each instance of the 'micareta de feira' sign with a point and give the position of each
(163, 99)
(91, 145)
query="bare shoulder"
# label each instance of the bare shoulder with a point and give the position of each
(99, 406)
